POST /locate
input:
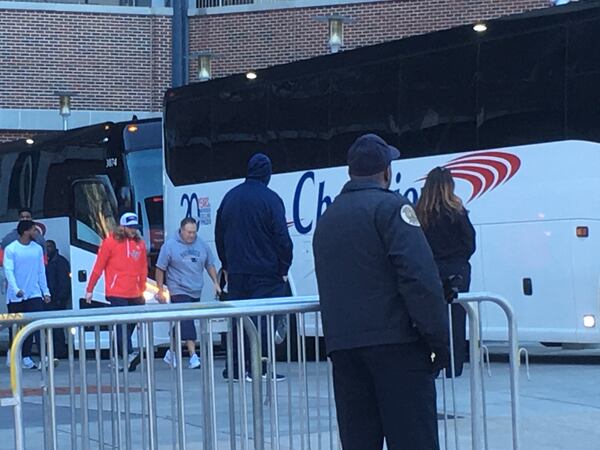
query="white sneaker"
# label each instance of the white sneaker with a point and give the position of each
(194, 362)
(170, 358)
(8, 358)
(28, 363)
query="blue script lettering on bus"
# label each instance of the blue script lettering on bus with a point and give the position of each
(323, 201)
(190, 201)
(198, 208)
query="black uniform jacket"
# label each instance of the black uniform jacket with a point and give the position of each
(378, 282)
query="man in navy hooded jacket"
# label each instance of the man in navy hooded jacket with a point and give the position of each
(252, 238)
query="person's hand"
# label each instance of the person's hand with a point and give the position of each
(161, 296)
(20, 294)
(440, 359)
(285, 278)
(88, 297)
(218, 290)
(47, 299)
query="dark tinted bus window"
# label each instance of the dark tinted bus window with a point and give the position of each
(142, 136)
(189, 142)
(436, 111)
(522, 89)
(449, 92)
(298, 123)
(583, 107)
(239, 130)
(364, 99)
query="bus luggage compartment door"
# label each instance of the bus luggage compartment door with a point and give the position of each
(539, 252)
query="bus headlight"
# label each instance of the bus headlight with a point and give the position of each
(589, 321)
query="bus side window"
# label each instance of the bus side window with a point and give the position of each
(94, 207)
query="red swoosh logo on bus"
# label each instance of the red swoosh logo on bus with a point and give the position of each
(484, 171)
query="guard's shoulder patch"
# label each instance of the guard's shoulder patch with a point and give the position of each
(409, 215)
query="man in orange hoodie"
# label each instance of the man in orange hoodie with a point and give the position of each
(122, 258)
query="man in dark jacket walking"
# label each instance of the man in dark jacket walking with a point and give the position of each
(59, 282)
(252, 240)
(383, 310)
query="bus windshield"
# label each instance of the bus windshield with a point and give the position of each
(143, 159)
(145, 173)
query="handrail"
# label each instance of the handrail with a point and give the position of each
(9, 319)
(239, 308)
(480, 297)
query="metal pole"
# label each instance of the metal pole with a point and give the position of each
(206, 395)
(513, 354)
(179, 381)
(179, 43)
(256, 360)
(242, 381)
(71, 349)
(16, 373)
(85, 430)
(43, 366)
(53, 439)
(211, 376)
(230, 331)
(125, 361)
(476, 426)
(100, 406)
(115, 370)
(141, 332)
(453, 376)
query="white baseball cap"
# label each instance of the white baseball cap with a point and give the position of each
(129, 220)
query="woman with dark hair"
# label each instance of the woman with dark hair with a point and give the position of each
(451, 237)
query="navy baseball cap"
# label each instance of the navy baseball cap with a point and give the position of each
(369, 155)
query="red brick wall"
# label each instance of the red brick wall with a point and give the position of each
(112, 62)
(122, 62)
(261, 39)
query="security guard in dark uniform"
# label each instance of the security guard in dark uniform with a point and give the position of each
(383, 309)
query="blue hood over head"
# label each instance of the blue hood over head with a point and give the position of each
(259, 168)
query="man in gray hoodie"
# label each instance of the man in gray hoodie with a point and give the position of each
(183, 259)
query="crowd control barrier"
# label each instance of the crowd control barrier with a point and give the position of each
(282, 400)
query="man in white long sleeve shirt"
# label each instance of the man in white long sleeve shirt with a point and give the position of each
(26, 276)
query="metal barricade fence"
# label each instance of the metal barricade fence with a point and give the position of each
(102, 406)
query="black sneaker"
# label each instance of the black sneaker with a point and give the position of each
(134, 361)
(278, 377)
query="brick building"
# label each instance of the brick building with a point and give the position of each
(116, 59)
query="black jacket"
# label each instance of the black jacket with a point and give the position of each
(251, 231)
(452, 241)
(378, 282)
(59, 280)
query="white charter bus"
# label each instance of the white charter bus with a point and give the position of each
(513, 113)
(76, 183)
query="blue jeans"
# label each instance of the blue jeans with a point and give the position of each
(119, 301)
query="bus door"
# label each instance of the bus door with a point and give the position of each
(94, 216)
